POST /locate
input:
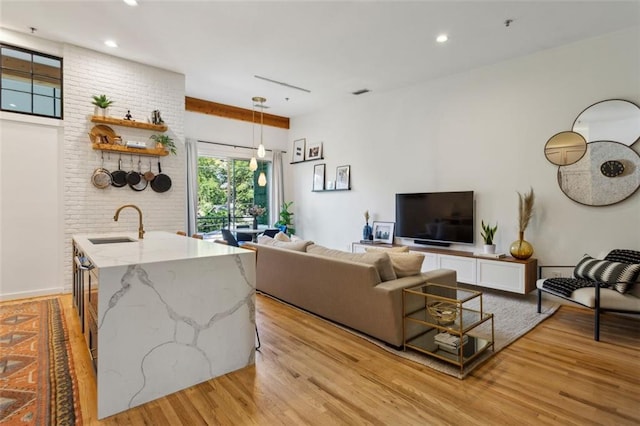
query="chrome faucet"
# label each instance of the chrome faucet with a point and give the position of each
(140, 228)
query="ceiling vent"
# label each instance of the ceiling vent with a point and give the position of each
(360, 92)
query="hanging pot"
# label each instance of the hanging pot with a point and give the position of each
(149, 175)
(142, 184)
(133, 177)
(101, 177)
(162, 182)
(119, 177)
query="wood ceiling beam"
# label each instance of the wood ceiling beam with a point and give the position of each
(236, 113)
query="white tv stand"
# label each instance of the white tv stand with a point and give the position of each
(507, 273)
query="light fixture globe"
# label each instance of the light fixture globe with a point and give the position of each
(253, 164)
(261, 151)
(262, 179)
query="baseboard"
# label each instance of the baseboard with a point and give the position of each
(34, 293)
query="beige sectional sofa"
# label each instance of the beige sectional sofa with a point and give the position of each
(348, 292)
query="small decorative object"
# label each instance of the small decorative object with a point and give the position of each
(285, 224)
(155, 117)
(102, 104)
(318, 177)
(298, 150)
(444, 313)
(165, 141)
(521, 249)
(488, 233)
(331, 185)
(256, 211)
(128, 116)
(383, 232)
(314, 151)
(367, 232)
(342, 177)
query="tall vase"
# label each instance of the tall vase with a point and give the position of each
(366, 232)
(521, 249)
(255, 223)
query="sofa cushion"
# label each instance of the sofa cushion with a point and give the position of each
(404, 264)
(616, 273)
(281, 236)
(289, 245)
(380, 260)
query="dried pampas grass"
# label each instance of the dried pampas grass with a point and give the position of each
(525, 208)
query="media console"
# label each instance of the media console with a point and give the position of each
(507, 273)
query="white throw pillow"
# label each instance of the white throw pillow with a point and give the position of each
(406, 264)
(281, 236)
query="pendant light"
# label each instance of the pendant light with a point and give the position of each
(253, 163)
(262, 179)
(261, 150)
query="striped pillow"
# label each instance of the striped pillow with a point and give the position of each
(616, 273)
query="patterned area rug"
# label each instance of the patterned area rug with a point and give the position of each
(38, 385)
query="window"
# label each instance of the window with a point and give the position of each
(31, 82)
(226, 190)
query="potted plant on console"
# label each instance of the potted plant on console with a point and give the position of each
(165, 142)
(285, 224)
(488, 232)
(102, 104)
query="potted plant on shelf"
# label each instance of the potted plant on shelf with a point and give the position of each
(102, 104)
(488, 232)
(286, 221)
(165, 142)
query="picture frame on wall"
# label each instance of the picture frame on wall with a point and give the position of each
(298, 150)
(343, 178)
(318, 177)
(383, 232)
(314, 151)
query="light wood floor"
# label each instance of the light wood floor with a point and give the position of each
(309, 372)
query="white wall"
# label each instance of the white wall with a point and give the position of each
(80, 206)
(483, 130)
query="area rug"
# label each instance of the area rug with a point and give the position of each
(514, 316)
(38, 384)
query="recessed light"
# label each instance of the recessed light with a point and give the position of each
(442, 38)
(131, 2)
(111, 43)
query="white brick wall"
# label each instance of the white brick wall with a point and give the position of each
(140, 89)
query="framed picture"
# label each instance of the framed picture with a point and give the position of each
(314, 151)
(383, 232)
(342, 177)
(318, 177)
(298, 150)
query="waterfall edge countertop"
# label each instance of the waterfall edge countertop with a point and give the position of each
(157, 246)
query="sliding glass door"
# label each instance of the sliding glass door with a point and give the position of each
(226, 191)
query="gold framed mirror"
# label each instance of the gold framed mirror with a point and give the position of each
(565, 148)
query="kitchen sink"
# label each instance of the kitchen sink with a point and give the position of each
(111, 240)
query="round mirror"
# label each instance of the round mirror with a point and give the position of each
(610, 120)
(565, 148)
(608, 173)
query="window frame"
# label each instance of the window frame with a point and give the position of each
(31, 73)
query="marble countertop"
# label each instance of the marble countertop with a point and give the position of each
(157, 246)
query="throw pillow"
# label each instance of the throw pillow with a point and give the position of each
(295, 246)
(406, 264)
(281, 236)
(616, 273)
(380, 260)
(401, 249)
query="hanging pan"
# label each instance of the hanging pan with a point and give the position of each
(133, 177)
(142, 184)
(119, 177)
(149, 175)
(162, 182)
(101, 177)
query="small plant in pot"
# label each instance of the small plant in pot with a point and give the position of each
(165, 141)
(102, 103)
(488, 232)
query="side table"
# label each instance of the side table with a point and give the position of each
(421, 325)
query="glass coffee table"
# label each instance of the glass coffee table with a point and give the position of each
(444, 322)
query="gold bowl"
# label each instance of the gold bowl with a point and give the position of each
(445, 313)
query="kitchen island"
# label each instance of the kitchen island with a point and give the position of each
(162, 313)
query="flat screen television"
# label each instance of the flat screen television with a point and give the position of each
(438, 218)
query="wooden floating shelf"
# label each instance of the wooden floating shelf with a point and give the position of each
(129, 123)
(155, 152)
